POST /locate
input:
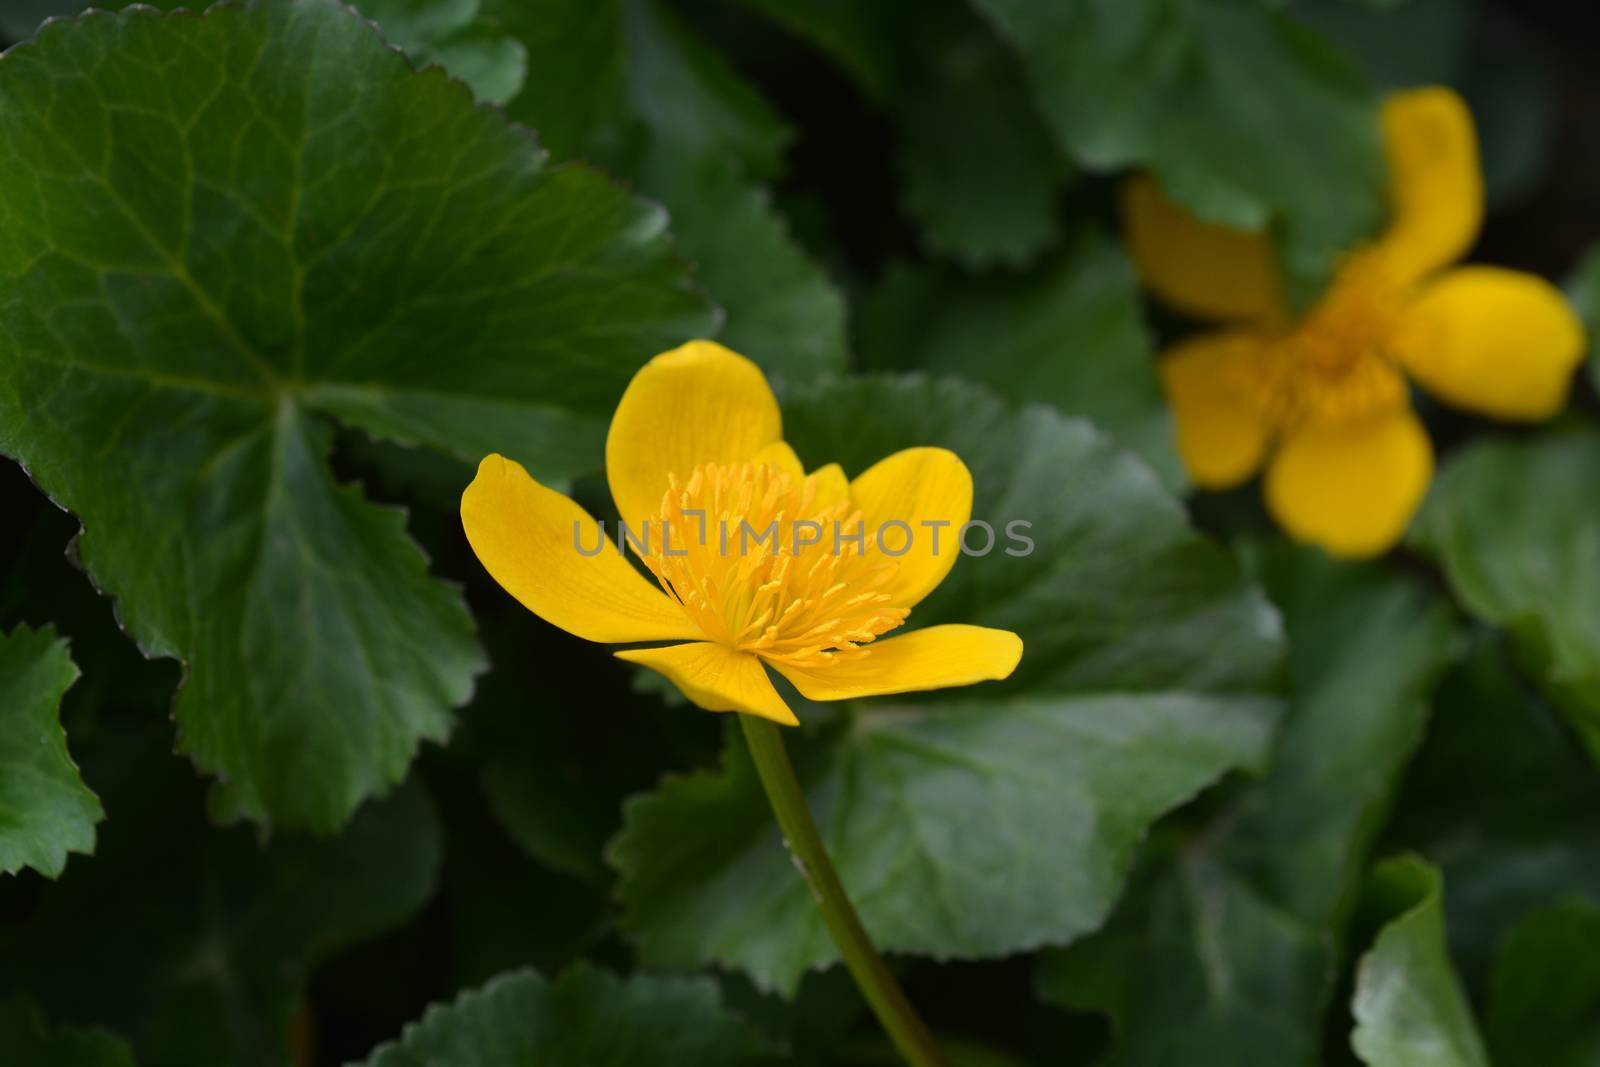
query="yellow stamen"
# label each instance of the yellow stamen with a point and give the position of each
(1335, 365)
(729, 545)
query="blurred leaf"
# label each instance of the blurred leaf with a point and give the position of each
(1398, 45)
(654, 103)
(1544, 1004)
(1210, 95)
(197, 943)
(1409, 1006)
(45, 811)
(1005, 817)
(320, 653)
(450, 33)
(586, 1017)
(1227, 955)
(864, 39)
(30, 1041)
(1503, 798)
(1516, 528)
(980, 169)
(1070, 334)
(1583, 289)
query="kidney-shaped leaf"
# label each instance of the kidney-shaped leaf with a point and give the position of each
(217, 229)
(1006, 818)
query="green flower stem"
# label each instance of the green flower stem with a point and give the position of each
(908, 1032)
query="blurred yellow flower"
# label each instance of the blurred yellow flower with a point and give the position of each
(1322, 401)
(699, 471)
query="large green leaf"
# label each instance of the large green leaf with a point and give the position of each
(1005, 817)
(586, 1018)
(197, 943)
(1516, 527)
(1070, 334)
(30, 1041)
(1211, 95)
(1227, 954)
(219, 229)
(1409, 1006)
(623, 83)
(45, 811)
(1544, 1003)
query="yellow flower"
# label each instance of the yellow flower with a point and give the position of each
(1323, 402)
(696, 458)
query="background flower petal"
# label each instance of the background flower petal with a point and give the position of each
(915, 486)
(1435, 180)
(523, 534)
(1352, 487)
(1221, 435)
(1204, 270)
(936, 658)
(1495, 341)
(699, 403)
(716, 678)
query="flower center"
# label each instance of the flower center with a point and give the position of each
(762, 564)
(1337, 364)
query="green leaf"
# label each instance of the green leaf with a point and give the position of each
(1409, 1006)
(980, 169)
(450, 33)
(1207, 95)
(1536, 842)
(45, 810)
(1001, 818)
(1544, 1003)
(261, 217)
(30, 1041)
(1226, 954)
(1516, 527)
(981, 172)
(1070, 334)
(585, 1017)
(1583, 289)
(196, 943)
(632, 89)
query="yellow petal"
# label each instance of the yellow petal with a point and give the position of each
(1435, 181)
(832, 486)
(1351, 488)
(524, 535)
(913, 504)
(1208, 381)
(936, 658)
(699, 403)
(780, 456)
(1494, 341)
(1204, 270)
(717, 678)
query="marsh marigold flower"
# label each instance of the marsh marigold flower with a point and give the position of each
(695, 454)
(1323, 401)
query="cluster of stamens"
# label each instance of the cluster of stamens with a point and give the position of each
(810, 592)
(1337, 364)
